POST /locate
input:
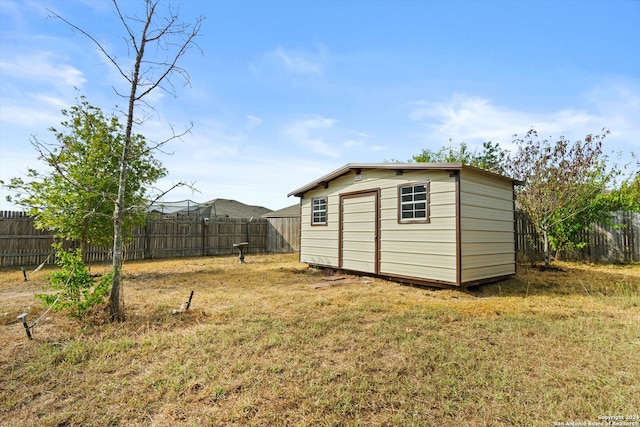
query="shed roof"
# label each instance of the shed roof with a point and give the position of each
(359, 167)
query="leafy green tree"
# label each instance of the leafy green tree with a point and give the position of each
(570, 233)
(627, 196)
(491, 157)
(75, 198)
(156, 42)
(565, 186)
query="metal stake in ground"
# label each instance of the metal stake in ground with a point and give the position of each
(189, 302)
(184, 306)
(23, 319)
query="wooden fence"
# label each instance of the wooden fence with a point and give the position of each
(22, 245)
(615, 243)
(283, 234)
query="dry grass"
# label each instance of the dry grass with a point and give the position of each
(260, 346)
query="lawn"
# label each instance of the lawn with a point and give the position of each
(273, 342)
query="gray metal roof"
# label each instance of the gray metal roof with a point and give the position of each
(387, 166)
(235, 209)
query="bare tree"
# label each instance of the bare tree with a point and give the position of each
(157, 41)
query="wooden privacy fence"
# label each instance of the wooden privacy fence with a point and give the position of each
(22, 245)
(283, 234)
(615, 243)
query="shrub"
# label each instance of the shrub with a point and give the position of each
(73, 286)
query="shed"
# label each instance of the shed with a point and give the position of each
(437, 224)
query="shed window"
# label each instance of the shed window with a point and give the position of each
(413, 202)
(319, 211)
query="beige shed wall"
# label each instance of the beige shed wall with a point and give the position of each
(487, 224)
(421, 251)
(319, 243)
(425, 251)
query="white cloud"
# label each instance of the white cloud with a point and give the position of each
(475, 119)
(210, 140)
(324, 136)
(37, 112)
(245, 176)
(308, 133)
(618, 103)
(464, 118)
(300, 62)
(42, 68)
(353, 143)
(362, 134)
(253, 121)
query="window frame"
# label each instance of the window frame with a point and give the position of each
(313, 211)
(427, 202)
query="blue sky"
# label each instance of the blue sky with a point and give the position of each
(286, 91)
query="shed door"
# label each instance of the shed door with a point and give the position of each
(359, 230)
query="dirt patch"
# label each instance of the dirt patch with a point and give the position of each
(332, 281)
(17, 297)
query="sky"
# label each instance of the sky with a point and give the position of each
(282, 92)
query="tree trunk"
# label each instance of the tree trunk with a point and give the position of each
(116, 308)
(545, 242)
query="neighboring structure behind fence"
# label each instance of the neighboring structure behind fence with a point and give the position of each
(22, 245)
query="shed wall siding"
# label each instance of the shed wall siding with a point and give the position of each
(487, 224)
(319, 243)
(424, 251)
